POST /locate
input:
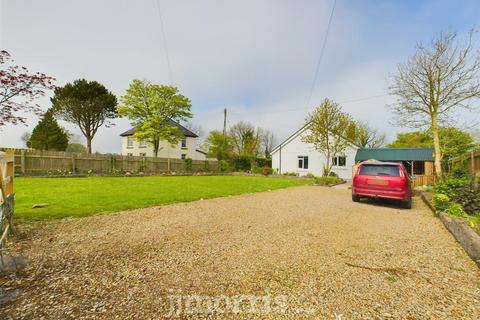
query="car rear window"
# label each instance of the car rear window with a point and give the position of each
(379, 170)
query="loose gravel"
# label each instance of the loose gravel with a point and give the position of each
(303, 252)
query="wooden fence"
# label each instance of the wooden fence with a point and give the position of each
(41, 162)
(6, 195)
(470, 162)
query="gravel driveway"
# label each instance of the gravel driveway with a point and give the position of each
(303, 252)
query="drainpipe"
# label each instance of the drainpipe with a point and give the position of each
(280, 161)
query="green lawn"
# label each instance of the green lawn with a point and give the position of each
(77, 197)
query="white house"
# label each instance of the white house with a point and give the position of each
(186, 147)
(294, 155)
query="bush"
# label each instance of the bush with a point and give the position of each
(224, 166)
(188, 164)
(241, 163)
(450, 186)
(309, 175)
(455, 209)
(333, 174)
(468, 198)
(290, 174)
(327, 181)
(441, 202)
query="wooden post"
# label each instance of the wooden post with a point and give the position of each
(168, 165)
(472, 163)
(73, 163)
(22, 161)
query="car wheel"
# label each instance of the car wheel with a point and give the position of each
(407, 204)
(355, 198)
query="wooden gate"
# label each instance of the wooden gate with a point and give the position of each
(6, 195)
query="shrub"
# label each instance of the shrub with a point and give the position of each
(327, 181)
(441, 201)
(333, 174)
(290, 174)
(455, 209)
(188, 164)
(309, 175)
(224, 166)
(267, 170)
(241, 163)
(450, 185)
(468, 198)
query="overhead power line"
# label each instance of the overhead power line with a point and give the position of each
(322, 52)
(164, 39)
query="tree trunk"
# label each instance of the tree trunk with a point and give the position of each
(156, 145)
(89, 145)
(436, 145)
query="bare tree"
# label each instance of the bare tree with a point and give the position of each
(329, 131)
(436, 83)
(198, 130)
(267, 141)
(245, 139)
(368, 137)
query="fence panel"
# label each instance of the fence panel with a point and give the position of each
(41, 162)
(7, 162)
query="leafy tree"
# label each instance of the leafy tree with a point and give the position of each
(454, 142)
(88, 104)
(329, 131)
(18, 90)
(414, 139)
(151, 109)
(367, 137)
(219, 146)
(435, 84)
(48, 135)
(76, 147)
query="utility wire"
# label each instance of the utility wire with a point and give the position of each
(322, 51)
(164, 39)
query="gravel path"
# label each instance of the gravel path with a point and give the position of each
(304, 252)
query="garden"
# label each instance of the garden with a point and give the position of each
(459, 196)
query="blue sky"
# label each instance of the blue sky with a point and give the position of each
(256, 58)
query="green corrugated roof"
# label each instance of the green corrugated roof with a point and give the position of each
(393, 154)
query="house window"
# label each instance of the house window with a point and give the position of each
(142, 154)
(130, 154)
(302, 162)
(184, 156)
(130, 142)
(142, 144)
(340, 161)
(184, 143)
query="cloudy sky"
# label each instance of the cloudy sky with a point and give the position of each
(255, 58)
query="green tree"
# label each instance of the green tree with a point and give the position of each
(76, 147)
(454, 142)
(434, 85)
(246, 140)
(48, 135)
(329, 131)
(151, 109)
(88, 104)
(218, 145)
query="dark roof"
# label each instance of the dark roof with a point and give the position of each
(394, 154)
(185, 131)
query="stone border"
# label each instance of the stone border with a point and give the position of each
(459, 228)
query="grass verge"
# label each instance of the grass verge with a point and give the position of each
(77, 197)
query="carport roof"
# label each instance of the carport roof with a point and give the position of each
(394, 154)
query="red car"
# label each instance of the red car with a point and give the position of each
(388, 180)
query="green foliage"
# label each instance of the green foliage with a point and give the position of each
(453, 142)
(468, 198)
(290, 174)
(151, 109)
(449, 186)
(241, 162)
(48, 135)
(309, 175)
(327, 180)
(224, 166)
(441, 201)
(218, 145)
(330, 130)
(454, 209)
(87, 104)
(76, 147)
(188, 164)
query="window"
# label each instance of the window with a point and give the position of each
(184, 143)
(130, 142)
(142, 144)
(142, 154)
(380, 170)
(302, 162)
(339, 161)
(130, 154)
(184, 156)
